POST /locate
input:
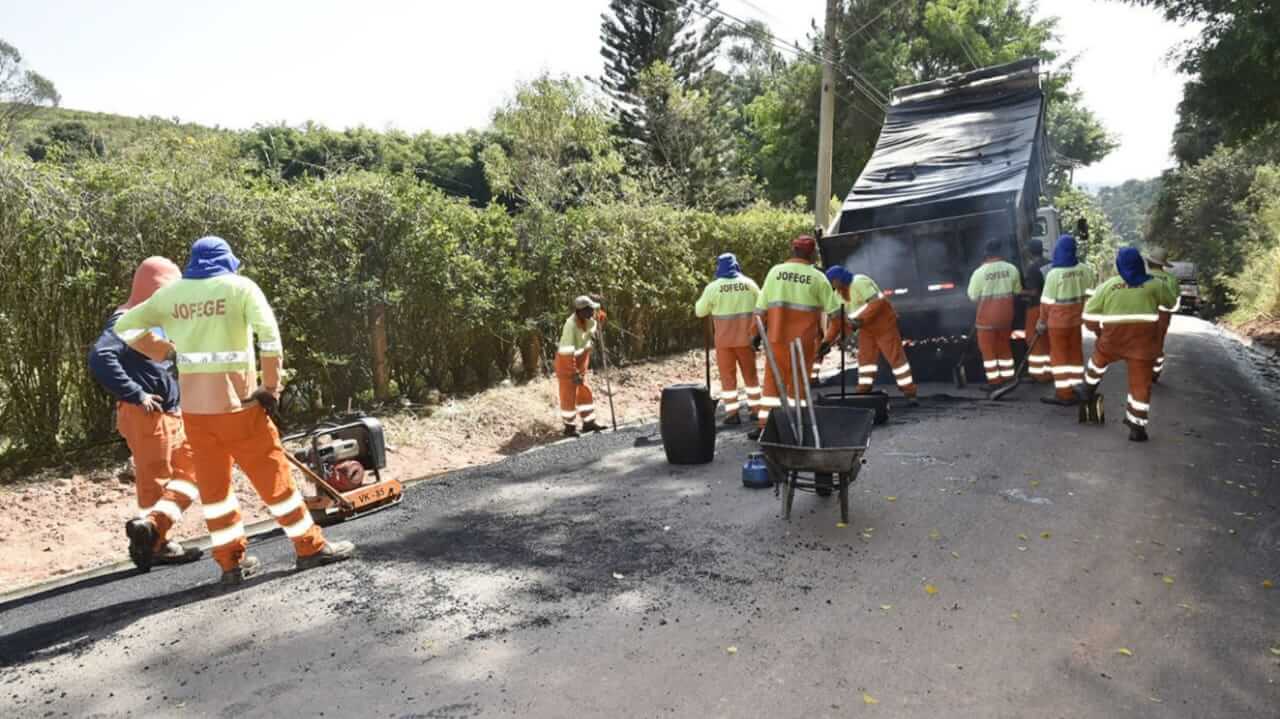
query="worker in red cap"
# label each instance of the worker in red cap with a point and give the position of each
(792, 302)
(866, 309)
(148, 418)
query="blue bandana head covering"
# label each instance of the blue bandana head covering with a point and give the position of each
(1131, 266)
(727, 266)
(839, 274)
(210, 256)
(1064, 253)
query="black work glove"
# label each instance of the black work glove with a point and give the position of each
(577, 378)
(268, 402)
(756, 343)
(856, 324)
(823, 349)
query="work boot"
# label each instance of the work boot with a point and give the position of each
(1061, 402)
(248, 568)
(173, 553)
(733, 419)
(332, 552)
(1136, 433)
(142, 535)
(591, 426)
(570, 431)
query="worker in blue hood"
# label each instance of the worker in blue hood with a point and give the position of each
(211, 256)
(1064, 253)
(727, 266)
(730, 301)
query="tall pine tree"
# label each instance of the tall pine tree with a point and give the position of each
(635, 34)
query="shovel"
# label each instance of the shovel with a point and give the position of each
(604, 370)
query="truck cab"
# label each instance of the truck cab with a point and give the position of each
(1048, 227)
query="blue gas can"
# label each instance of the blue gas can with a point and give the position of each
(755, 474)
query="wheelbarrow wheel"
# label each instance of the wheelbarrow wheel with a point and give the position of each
(788, 495)
(845, 481)
(822, 484)
(1100, 410)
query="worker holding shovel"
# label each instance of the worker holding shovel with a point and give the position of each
(212, 315)
(871, 313)
(730, 301)
(573, 359)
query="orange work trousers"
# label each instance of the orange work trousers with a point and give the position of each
(1162, 327)
(163, 468)
(782, 353)
(249, 439)
(1040, 357)
(730, 361)
(1066, 351)
(886, 341)
(997, 354)
(576, 400)
(1141, 373)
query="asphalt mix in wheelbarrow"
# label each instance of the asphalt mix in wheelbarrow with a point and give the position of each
(999, 558)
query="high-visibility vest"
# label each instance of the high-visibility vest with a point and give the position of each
(1116, 303)
(1065, 291)
(794, 298)
(1172, 282)
(993, 286)
(731, 303)
(212, 322)
(574, 340)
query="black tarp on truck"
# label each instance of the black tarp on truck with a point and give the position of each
(959, 161)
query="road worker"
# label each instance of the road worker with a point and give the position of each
(573, 359)
(1157, 267)
(993, 286)
(1066, 287)
(1124, 312)
(1038, 356)
(212, 316)
(148, 418)
(794, 298)
(866, 310)
(730, 301)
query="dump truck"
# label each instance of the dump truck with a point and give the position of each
(1188, 287)
(959, 161)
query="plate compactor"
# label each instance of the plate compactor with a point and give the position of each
(344, 462)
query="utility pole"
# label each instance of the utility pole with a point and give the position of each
(826, 118)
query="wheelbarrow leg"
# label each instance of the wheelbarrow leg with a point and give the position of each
(845, 481)
(788, 495)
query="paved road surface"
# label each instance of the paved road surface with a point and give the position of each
(592, 579)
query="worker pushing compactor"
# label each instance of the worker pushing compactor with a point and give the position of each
(148, 418)
(730, 300)
(993, 286)
(794, 299)
(1157, 264)
(211, 316)
(1066, 287)
(866, 310)
(573, 360)
(1124, 313)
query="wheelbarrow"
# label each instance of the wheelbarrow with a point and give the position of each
(846, 433)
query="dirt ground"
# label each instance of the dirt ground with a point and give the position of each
(1264, 331)
(65, 520)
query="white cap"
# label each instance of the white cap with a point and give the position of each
(583, 302)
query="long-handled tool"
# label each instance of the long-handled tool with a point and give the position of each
(808, 399)
(604, 370)
(1017, 374)
(779, 381)
(706, 350)
(958, 372)
(797, 358)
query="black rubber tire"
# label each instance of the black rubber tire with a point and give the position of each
(687, 422)
(823, 484)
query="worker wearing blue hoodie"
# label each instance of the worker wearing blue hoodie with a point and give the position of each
(148, 418)
(1124, 312)
(730, 301)
(1066, 287)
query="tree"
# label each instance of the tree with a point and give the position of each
(689, 136)
(1128, 206)
(22, 91)
(67, 142)
(635, 34)
(555, 148)
(1235, 64)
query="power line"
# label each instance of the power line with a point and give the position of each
(870, 22)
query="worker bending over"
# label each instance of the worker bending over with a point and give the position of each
(573, 359)
(212, 316)
(865, 309)
(730, 300)
(1157, 266)
(1038, 352)
(993, 286)
(792, 302)
(148, 418)
(1066, 287)
(1124, 313)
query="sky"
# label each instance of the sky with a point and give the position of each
(444, 66)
